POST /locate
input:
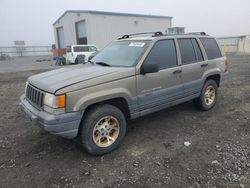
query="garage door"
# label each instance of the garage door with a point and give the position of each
(81, 35)
(60, 37)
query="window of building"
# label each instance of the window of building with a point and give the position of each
(81, 35)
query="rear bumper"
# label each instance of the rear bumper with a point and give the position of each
(65, 125)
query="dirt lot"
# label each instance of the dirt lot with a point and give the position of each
(16, 64)
(153, 153)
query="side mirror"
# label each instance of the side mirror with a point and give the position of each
(149, 68)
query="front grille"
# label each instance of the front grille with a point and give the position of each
(34, 95)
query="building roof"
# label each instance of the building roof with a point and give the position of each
(112, 14)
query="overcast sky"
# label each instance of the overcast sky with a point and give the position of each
(31, 20)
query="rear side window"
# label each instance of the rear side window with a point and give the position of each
(187, 51)
(81, 49)
(211, 47)
(163, 54)
(197, 49)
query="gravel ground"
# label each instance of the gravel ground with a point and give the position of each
(153, 153)
(28, 63)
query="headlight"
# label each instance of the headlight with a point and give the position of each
(54, 104)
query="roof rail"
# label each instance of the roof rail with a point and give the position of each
(155, 34)
(196, 33)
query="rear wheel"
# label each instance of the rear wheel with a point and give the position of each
(102, 129)
(208, 96)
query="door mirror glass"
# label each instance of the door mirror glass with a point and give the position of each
(149, 68)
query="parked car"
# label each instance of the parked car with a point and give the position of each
(76, 50)
(130, 78)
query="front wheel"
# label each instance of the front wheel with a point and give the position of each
(208, 96)
(102, 129)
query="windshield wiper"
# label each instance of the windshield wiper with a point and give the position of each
(102, 63)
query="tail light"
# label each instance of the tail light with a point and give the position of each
(226, 65)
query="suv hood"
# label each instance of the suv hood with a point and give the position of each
(54, 80)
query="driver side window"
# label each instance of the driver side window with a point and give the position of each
(163, 54)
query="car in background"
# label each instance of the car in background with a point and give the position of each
(75, 50)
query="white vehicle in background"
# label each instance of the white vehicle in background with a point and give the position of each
(74, 50)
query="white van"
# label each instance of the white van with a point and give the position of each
(74, 50)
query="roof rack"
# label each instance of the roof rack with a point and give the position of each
(155, 34)
(192, 33)
(159, 33)
(195, 33)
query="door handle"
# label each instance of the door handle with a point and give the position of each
(177, 72)
(204, 65)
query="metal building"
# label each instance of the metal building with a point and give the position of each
(235, 44)
(176, 30)
(99, 28)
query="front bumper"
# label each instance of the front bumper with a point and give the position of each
(65, 125)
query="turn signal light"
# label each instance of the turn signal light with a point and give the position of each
(61, 101)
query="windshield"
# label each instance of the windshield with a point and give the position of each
(121, 53)
(92, 48)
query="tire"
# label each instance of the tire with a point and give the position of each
(76, 61)
(100, 124)
(207, 99)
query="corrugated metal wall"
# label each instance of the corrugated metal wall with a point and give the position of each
(108, 28)
(102, 29)
(68, 23)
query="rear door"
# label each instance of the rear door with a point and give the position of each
(157, 90)
(193, 65)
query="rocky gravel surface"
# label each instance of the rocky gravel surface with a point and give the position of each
(177, 147)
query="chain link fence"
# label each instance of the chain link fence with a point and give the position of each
(14, 51)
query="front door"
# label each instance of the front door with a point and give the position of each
(158, 90)
(193, 66)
